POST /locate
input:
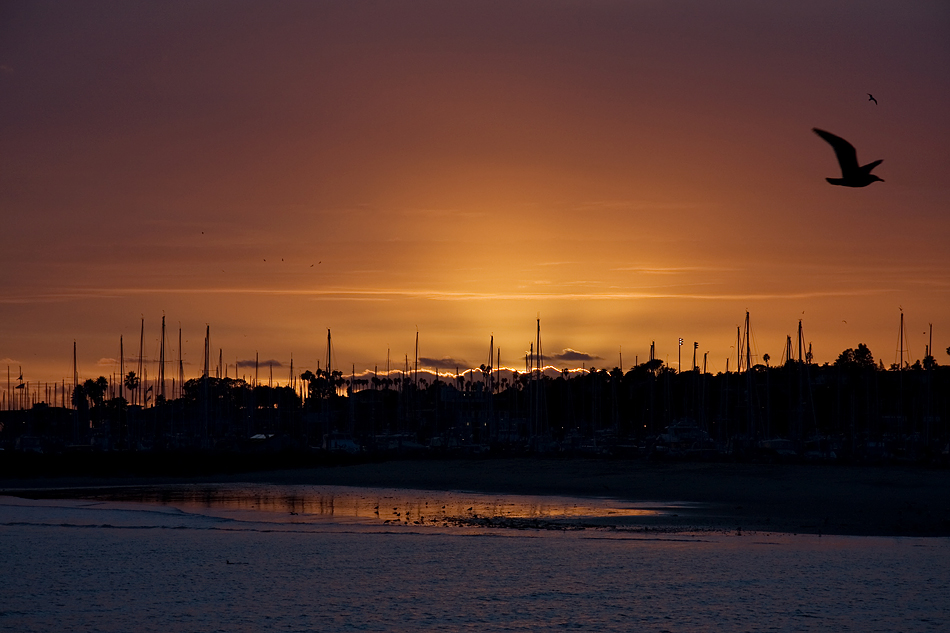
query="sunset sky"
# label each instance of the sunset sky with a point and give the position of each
(630, 171)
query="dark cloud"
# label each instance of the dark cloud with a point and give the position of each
(575, 356)
(263, 363)
(443, 363)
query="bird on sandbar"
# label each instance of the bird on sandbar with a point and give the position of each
(851, 174)
(871, 98)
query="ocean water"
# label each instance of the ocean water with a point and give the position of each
(267, 558)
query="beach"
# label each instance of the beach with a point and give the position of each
(481, 544)
(783, 498)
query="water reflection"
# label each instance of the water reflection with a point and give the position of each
(341, 503)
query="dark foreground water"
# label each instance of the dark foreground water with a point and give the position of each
(259, 558)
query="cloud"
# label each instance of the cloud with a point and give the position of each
(443, 363)
(452, 214)
(370, 294)
(575, 356)
(107, 362)
(262, 363)
(673, 270)
(638, 205)
(9, 361)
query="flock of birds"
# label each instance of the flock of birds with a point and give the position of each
(852, 174)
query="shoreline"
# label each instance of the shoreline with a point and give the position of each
(796, 498)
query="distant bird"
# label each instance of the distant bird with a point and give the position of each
(851, 174)
(871, 98)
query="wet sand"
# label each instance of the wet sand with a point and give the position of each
(793, 498)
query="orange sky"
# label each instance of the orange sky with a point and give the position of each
(631, 171)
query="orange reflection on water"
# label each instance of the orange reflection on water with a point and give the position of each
(340, 503)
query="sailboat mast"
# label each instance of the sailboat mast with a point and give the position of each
(930, 347)
(537, 390)
(205, 372)
(161, 362)
(800, 340)
(121, 367)
(748, 373)
(181, 366)
(491, 364)
(901, 339)
(538, 357)
(748, 346)
(738, 349)
(138, 389)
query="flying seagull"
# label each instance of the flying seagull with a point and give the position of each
(851, 174)
(871, 98)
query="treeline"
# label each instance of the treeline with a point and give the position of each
(853, 405)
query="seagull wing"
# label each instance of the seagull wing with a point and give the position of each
(847, 155)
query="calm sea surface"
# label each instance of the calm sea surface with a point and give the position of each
(294, 558)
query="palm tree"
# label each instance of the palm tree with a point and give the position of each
(132, 383)
(78, 397)
(96, 389)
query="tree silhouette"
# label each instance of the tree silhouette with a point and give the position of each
(131, 382)
(78, 397)
(860, 358)
(96, 389)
